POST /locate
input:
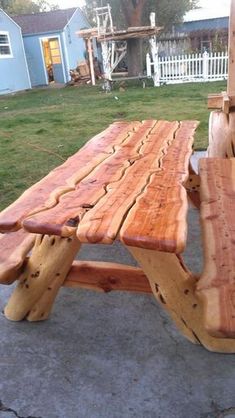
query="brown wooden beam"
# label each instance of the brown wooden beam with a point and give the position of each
(231, 51)
(226, 100)
(105, 277)
(221, 101)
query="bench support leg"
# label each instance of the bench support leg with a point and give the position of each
(174, 287)
(192, 186)
(42, 278)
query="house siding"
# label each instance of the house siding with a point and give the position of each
(13, 71)
(191, 37)
(204, 25)
(35, 59)
(72, 48)
(74, 45)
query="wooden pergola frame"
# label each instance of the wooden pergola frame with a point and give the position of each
(108, 37)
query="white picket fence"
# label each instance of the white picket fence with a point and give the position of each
(187, 68)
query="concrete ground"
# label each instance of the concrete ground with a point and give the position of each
(113, 355)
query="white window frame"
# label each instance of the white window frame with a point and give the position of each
(7, 44)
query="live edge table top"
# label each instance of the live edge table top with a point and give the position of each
(127, 183)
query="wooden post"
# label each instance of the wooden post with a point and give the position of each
(90, 54)
(230, 139)
(231, 50)
(42, 277)
(174, 287)
(222, 124)
(205, 64)
(154, 53)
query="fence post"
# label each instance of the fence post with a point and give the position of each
(205, 64)
(148, 65)
(154, 53)
(156, 67)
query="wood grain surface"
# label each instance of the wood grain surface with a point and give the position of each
(221, 135)
(158, 219)
(65, 216)
(41, 278)
(106, 277)
(148, 167)
(102, 223)
(129, 179)
(45, 193)
(217, 283)
(14, 248)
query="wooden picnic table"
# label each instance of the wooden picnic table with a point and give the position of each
(132, 183)
(129, 183)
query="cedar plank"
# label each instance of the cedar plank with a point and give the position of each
(14, 247)
(158, 219)
(217, 283)
(101, 224)
(47, 191)
(103, 276)
(64, 217)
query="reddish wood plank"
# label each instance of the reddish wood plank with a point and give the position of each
(46, 192)
(101, 224)
(217, 283)
(64, 217)
(158, 219)
(231, 46)
(106, 277)
(14, 247)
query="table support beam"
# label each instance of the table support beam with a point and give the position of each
(174, 287)
(42, 277)
(106, 277)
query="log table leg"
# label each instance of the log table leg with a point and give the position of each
(174, 287)
(42, 277)
(221, 134)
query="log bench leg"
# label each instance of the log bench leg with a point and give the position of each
(42, 278)
(192, 187)
(174, 287)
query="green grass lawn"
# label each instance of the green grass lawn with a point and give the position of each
(62, 120)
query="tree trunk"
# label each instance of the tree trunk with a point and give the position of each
(133, 12)
(134, 57)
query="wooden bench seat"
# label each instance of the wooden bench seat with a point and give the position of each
(217, 283)
(14, 248)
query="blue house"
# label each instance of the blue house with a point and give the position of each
(206, 34)
(51, 45)
(14, 74)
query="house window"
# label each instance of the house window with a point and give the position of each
(5, 46)
(206, 46)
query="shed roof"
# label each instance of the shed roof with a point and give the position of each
(204, 25)
(44, 22)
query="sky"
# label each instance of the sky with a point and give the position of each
(64, 4)
(211, 8)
